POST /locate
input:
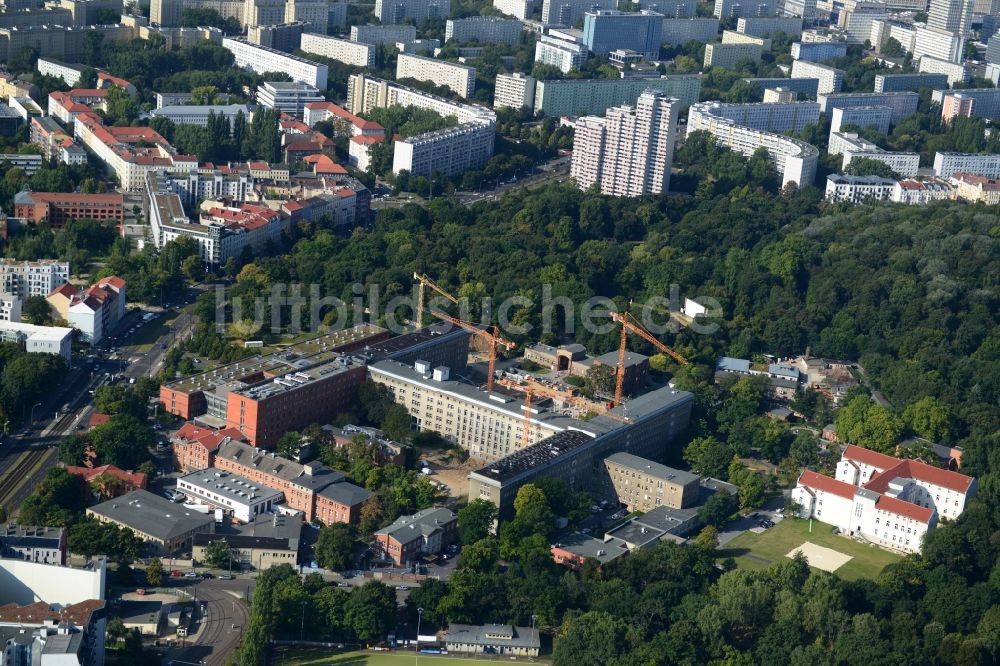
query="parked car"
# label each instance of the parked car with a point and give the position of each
(225, 577)
(191, 574)
(176, 573)
(208, 575)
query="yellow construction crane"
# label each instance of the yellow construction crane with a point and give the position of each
(630, 323)
(493, 337)
(424, 281)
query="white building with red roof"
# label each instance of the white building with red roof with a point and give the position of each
(343, 120)
(885, 500)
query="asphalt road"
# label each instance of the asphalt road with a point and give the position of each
(214, 637)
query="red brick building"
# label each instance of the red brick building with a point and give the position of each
(195, 447)
(57, 208)
(426, 532)
(122, 481)
(319, 492)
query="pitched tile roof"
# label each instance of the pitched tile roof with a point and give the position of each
(869, 457)
(901, 508)
(818, 481)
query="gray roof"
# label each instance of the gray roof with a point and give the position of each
(31, 536)
(275, 526)
(63, 643)
(345, 493)
(233, 487)
(656, 524)
(180, 110)
(151, 514)
(422, 523)
(727, 364)
(140, 612)
(493, 635)
(652, 468)
(311, 476)
(586, 546)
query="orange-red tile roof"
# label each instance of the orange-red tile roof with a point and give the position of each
(134, 479)
(901, 508)
(869, 457)
(818, 481)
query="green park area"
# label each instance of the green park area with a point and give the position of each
(757, 551)
(324, 656)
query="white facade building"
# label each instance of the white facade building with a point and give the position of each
(937, 43)
(234, 494)
(519, 9)
(903, 104)
(862, 117)
(70, 74)
(727, 55)
(831, 79)
(852, 147)
(560, 53)
(357, 54)
(261, 59)
(198, 114)
(383, 34)
(454, 150)
(514, 90)
(483, 29)
(290, 98)
(956, 72)
(858, 189)
(10, 307)
(768, 26)
(912, 81)
(39, 339)
(741, 8)
(920, 192)
(397, 11)
(795, 160)
(948, 164)
(779, 117)
(460, 79)
(32, 278)
(630, 151)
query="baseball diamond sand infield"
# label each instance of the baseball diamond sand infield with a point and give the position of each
(826, 559)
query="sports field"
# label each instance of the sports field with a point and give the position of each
(324, 656)
(758, 551)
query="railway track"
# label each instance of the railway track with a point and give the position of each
(22, 469)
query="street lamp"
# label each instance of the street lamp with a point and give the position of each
(31, 418)
(416, 644)
(534, 634)
(302, 626)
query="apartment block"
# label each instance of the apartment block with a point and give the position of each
(196, 114)
(795, 160)
(856, 20)
(727, 55)
(56, 209)
(383, 34)
(315, 13)
(862, 117)
(575, 454)
(805, 9)
(852, 147)
(285, 37)
(607, 30)
(454, 150)
(769, 26)
(643, 485)
(903, 104)
(920, 192)
(261, 59)
(975, 102)
(940, 44)
(770, 117)
(560, 53)
(576, 97)
(483, 29)
(66, 106)
(735, 9)
(955, 72)
(947, 165)
(519, 9)
(802, 87)
(677, 31)
(514, 90)
(831, 79)
(56, 144)
(858, 189)
(10, 307)
(66, 43)
(733, 37)
(913, 81)
(290, 98)
(976, 189)
(670, 8)
(130, 152)
(350, 53)
(569, 12)
(818, 52)
(630, 151)
(70, 74)
(32, 278)
(391, 12)
(29, 164)
(779, 96)
(460, 79)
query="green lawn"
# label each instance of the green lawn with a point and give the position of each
(150, 332)
(324, 656)
(751, 550)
